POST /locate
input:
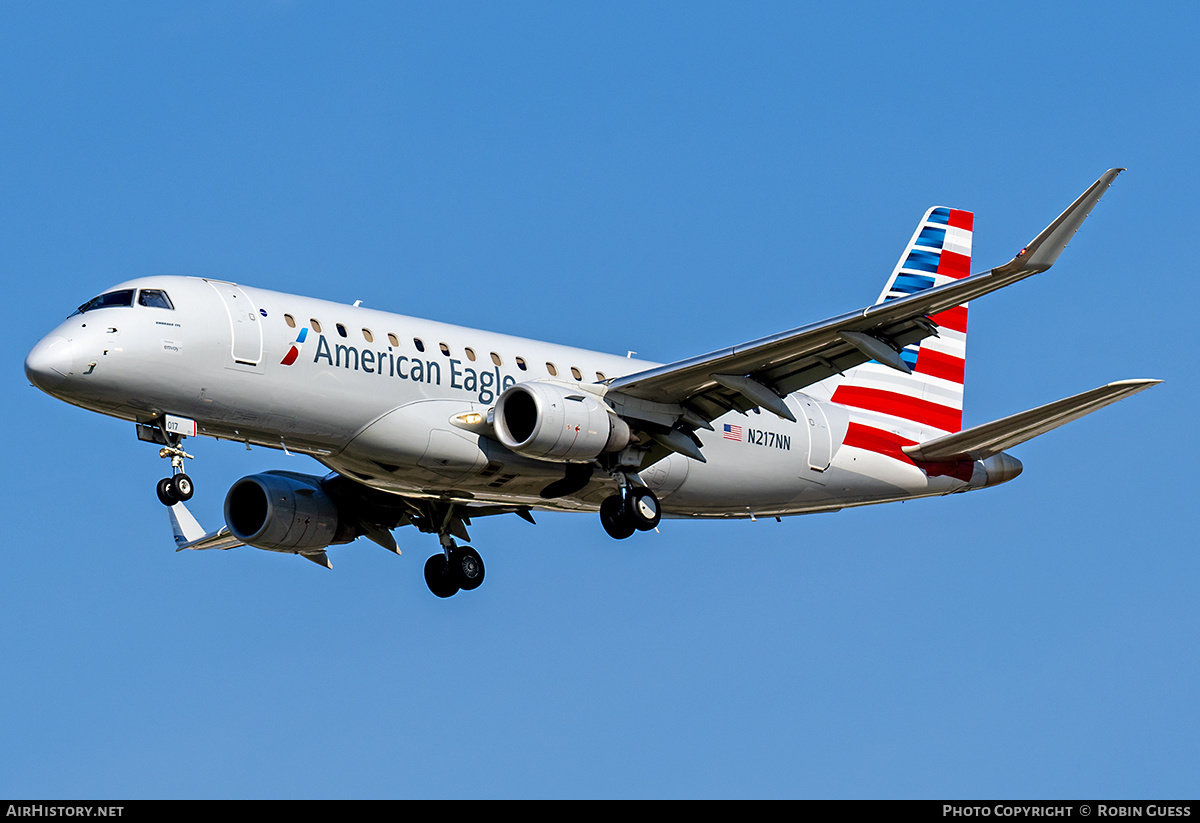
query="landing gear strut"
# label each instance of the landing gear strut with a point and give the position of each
(633, 508)
(178, 487)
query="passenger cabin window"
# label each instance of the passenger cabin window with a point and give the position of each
(291, 321)
(578, 375)
(445, 349)
(393, 339)
(496, 359)
(370, 338)
(600, 376)
(521, 364)
(315, 323)
(111, 300)
(417, 342)
(470, 354)
(155, 299)
(342, 330)
(553, 369)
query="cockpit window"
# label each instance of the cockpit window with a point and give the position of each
(113, 299)
(155, 299)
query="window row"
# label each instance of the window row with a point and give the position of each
(419, 344)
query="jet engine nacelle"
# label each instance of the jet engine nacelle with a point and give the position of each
(548, 421)
(281, 512)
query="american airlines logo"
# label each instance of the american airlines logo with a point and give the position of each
(294, 351)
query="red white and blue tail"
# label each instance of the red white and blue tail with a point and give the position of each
(887, 403)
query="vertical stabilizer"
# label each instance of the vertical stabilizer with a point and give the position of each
(928, 402)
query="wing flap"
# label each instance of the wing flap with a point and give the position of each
(981, 442)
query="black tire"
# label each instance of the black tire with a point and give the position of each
(166, 492)
(467, 566)
(438, 577)
(615, 519)
(642, 509)
(182, 487)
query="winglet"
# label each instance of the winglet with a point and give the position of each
(185, 527)
(320, 558)
(189, 534)
(1044, 249)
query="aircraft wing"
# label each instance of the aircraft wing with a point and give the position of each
(424, 514)
(761, 372)
(981, 442)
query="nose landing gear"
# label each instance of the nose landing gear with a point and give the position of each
(172, 490)
(178, 487)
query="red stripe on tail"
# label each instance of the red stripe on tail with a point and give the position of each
(954, 319)
(953, 264)
(940, 364)
(900, 405)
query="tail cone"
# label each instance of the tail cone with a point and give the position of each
(1001, 468)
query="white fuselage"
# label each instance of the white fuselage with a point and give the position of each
(374, 396)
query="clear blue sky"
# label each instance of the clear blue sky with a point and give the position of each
(667, 178)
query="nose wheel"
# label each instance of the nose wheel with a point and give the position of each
(174, 489)
(178, 487)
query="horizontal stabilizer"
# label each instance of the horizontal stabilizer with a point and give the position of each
(189, 534)
(981, 442)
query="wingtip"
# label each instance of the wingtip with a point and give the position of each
(1042, 252)
(1137, 383)
(184, 526)
(320, 558)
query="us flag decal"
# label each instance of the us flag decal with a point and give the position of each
(733, 432)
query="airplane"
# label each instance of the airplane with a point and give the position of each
(432, 425)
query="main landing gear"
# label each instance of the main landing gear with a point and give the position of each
(455, 568)
(633, 508)
(458, 568)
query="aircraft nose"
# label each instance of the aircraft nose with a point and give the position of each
(50, 361)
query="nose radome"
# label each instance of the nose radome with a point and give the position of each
(50, 362)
